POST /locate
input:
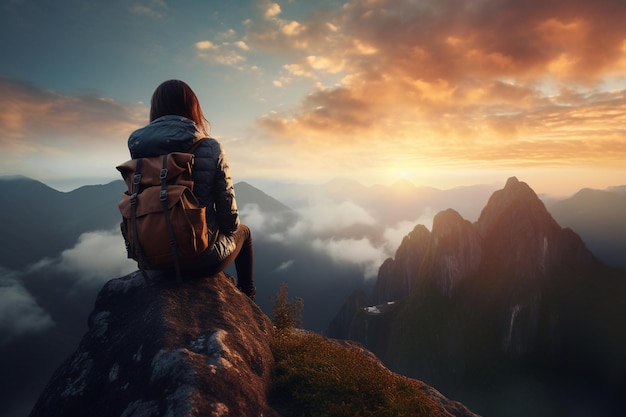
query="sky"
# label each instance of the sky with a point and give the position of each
(443, 93)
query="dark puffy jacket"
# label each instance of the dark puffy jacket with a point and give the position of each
(213, 184)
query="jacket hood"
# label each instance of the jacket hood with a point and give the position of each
(164, 135)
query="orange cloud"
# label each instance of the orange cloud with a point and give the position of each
(32, 118)
(492, 80)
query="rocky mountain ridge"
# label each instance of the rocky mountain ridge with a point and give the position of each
(469, 305)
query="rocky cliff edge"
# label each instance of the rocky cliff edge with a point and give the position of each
(202, 348)
(199, 348)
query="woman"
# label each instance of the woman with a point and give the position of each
(176, 123)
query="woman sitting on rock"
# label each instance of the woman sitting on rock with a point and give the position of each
(176, 123)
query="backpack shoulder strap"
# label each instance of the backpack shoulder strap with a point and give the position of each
(133, 218)
(168, 221)
(196, 145)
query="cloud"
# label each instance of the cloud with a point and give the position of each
(254, 218)
(360, 252)
(284, 36)
(343, 231)
(225, 53)
(226, 49)
(32, 116)
(19, 311)
(272, 10)
(369, 251)
(155, 9)
(328, 217)
(285, 266)
(324, 64)
(97, 257)
(393, 235)
(269, 225)
(42, 129)
(318, 218)
(437, 81)
(242, 45)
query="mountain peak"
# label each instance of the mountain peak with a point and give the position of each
(518, 189)
(455, 251)
(516, 201)
(511, 182)
(523, 237)
(248, 194)
(446, 217)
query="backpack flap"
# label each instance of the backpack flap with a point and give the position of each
(179, 166)
(149, 202)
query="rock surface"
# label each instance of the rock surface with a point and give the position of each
(199, 348)
(398, 276)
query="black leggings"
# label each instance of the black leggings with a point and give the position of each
(236, 247)
(243, 255)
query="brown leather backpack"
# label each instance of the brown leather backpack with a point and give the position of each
(163, 223)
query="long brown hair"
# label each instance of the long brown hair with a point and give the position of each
(175, 97)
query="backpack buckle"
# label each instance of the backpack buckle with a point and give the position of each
(136, 179)
(163, 174)
(163, 195)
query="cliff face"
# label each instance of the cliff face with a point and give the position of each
(454, 253)
(398, 276)
(450, 253)
(164, 349)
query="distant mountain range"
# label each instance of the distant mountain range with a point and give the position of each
(599, 217)
(40, 222)
(596, 215)
(485, 310)
(389, 204)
